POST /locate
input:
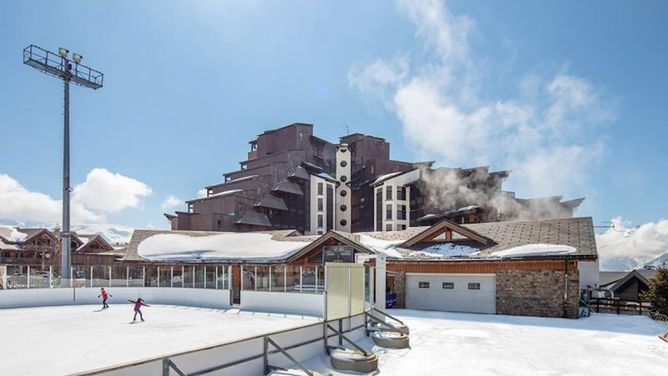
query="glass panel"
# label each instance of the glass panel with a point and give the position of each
(119, 276)
(3, 273)
(308, 279)
(188, 277)
(151, 276)
(293, 279)
(39, 277)
(278, 278)
(210, 277)
(178, 276)
(199, 276)
(17, 277)
(136, 277)
(262, 278)
(100, 276)
(248, 277)
(80, 276)
(165, 276)
(321, 279)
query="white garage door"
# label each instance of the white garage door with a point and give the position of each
(451, 292)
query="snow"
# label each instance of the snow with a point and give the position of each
(64, 340)
(385, 176)
(445, 250)
(444, 343)
(535, 250)
(222, 246)
(659, 262)
(12, 234)
(326, 176)
(241, 179)
(225, 193)
(112, 233)
(383, 246)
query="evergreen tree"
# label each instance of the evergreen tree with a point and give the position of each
(657, 292)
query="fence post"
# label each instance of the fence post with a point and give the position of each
(91, 276)
(109, 276)
(165, 366)
(50, 276)
(127, 276)
(617, 301)
(28, 279)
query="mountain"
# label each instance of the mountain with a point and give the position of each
(661, 261)
(113, 233)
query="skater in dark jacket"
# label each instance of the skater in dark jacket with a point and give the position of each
(105, 295)
(138, 303)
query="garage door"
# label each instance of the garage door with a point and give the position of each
(451, 292)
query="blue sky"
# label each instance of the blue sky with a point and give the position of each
(570, 95)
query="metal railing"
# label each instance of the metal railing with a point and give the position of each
(171, 363)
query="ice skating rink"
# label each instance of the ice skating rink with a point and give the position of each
(67, 339)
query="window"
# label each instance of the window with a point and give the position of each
(379, 210)
(320, 204)
(320, 220)
(319, 232)
(388, 212)
(343, 222)
(474, 286)
(401, 211)
(401, 193)
(423, 285)
(343, 178)
(448, 285)
(403, 227)
(319, 189)
(388, 227)
(388, 192)
(343, 163)
(344, 193)
(343, 207)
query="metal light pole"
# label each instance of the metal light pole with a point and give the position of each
(59, 65)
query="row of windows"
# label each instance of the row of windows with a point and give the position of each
(401, 193)
(450, 285)
(401, 212)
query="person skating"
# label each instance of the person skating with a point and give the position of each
(138, 303)
(105, 295)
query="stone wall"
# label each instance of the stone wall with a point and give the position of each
(536, 293)
(400, 288)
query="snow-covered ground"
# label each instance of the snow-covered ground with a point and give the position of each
(476, 344)
(62, 340)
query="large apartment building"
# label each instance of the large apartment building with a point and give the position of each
(292, 179)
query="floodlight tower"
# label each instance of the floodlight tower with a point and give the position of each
(59, 65)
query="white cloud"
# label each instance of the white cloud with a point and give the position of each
(19, 204)
(103, 192)
(110, 192)
(631, 246)
(543, 132)
(171, 202)
(201, 193)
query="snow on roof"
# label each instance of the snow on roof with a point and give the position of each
(241, 179)
(535, 250)
(225, 193)
(224, 246)
(12, 234)
(326, 176)
(386, 176)
(383, 246)
(445, 250)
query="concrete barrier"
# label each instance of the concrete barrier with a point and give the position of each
(208, 298)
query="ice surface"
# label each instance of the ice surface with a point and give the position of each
(63, 340)
(462, 344)
(211, 247)
(445, 250)
(535, 250)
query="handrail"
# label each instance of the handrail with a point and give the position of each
(388, 315)
(167, 364)
(358, 347)
(386, 326)
(267, 367)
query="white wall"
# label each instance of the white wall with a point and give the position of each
(283, 302)
(208, 298)
(588, 274)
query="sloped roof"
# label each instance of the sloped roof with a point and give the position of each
(437, 229)
(340, 236)
(643, 275)
(272, 202)
(254, 218)
(288, 187)
(300, 173)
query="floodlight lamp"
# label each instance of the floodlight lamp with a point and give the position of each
(76, 57)
(63, 51)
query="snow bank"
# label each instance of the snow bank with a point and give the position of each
(213, 247)
(535, 250)
(445, 250)
(385, 177)
(383, 246)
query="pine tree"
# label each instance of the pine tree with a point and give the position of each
(657, 292)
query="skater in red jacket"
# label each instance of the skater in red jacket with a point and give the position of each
(138, 303)
(105, 296)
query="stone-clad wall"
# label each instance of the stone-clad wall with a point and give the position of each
(400, 288)
(536, 293)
